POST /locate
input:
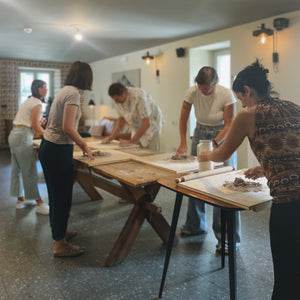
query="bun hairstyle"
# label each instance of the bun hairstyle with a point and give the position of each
(254, 76)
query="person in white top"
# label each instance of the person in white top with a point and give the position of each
(24, 176)
(214, 109)
(137, 108)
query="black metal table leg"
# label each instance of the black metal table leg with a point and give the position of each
(223, 236)
(175, 216)
(231, 225)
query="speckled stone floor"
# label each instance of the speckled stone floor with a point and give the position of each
(28, 269)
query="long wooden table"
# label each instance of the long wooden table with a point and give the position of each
(228, 224)
(134, 182)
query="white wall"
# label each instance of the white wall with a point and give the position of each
(168, 89)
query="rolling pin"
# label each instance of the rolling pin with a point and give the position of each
(204, 174)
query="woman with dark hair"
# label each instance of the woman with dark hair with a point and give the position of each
(272, 128)
(24, 176)
(56, 155)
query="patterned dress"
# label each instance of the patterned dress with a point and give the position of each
(276, 144)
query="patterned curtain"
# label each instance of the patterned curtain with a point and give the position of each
(9, 88)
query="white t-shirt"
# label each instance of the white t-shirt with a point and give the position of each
(24, 113)
(139, 105)
(68, 95)
(209, 109)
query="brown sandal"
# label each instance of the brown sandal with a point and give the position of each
(70, 234)
(70, 251)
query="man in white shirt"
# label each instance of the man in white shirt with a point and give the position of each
(214, 109)
(137, 108)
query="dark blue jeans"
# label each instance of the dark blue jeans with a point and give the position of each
(285, 247)
(57, 164)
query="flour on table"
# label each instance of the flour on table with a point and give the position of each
(241, 185)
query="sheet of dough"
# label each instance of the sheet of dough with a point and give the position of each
(112, 156)
(213, 186)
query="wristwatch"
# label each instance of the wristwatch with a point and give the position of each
(216, 143)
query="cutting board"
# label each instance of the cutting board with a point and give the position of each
(111, 156)
(213, 186)
(138, 151)
(165, 162)
(131, 172)
(97, 145)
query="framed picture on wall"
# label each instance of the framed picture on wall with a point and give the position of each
(128, 78)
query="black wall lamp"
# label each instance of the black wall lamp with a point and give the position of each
(91, 103)
(148, 58)
(263, 32)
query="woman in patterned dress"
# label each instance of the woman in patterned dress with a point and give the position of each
(272, 128)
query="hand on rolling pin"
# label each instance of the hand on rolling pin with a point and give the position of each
(254, 173)
(204, 156)
(125, 143)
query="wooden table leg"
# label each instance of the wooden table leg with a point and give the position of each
(175, 216)
(85, 182)
(159, 224)
(231, 225)
(127, 236)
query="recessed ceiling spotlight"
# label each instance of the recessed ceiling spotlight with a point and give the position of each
(78, 35)
(28, 29)
(78, 31)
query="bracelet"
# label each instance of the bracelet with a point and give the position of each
(216, 143)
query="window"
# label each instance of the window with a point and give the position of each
(27, 76)
(222, 63)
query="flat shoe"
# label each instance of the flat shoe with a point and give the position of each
(70, 234)
(70, 251)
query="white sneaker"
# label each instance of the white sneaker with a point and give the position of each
(20, 204)
(42, 209)
(219, 247)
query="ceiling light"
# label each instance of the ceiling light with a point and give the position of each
(263, 32)
(28, 29)
(148, 58)
(78, 35)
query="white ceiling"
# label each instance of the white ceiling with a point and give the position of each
(115, 27)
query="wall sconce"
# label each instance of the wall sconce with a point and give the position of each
(92, 106)
(91, 103)
(279, 24)
(148, 58)
(263, 32)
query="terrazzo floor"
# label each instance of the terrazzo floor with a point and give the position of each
(28, 269)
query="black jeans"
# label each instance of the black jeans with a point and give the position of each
(57, 164)
(285, 246)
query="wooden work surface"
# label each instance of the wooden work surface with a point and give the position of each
(165, 162)
(132, 172)
(108, 156)
(169, 182)
(213, 186)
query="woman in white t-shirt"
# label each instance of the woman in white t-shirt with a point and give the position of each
(24, 176)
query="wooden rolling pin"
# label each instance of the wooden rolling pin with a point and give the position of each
(204, 174)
